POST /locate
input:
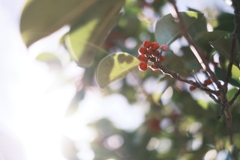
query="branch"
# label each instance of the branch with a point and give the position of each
(197, 52)
(214, 98)
(183, 79)
(234, 97)
(234, 41)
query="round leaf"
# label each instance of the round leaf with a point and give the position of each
(167, 29)
(115, 66)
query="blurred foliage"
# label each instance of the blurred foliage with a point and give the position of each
(182, 127)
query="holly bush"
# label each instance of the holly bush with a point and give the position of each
(190, 54)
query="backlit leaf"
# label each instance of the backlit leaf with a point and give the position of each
(88, 34)
(40, 18)
(49, 58)
(115, 66)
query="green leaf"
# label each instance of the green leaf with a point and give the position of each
(233, 81)
(235, 73)
(49, 58)
(88, 34)
(167, 29)
(115, 66)
(204, 38)
(223, 46)
(40, 18)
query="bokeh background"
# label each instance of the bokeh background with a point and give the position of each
(52, 109)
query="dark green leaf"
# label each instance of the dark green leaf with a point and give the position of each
(90, 31)
(167, 29)
(223, 46)
(115, 66)
(40, 18)
(204, 38)
(225, 22)
(220, 75)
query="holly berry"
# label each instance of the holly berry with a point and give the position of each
(154, 45)
(215, 64)
(162, 58)
(142, 66)
(142, 50)
(207, 82)
(164, 47)
(142, 57)
(191, 88)
(147, 44)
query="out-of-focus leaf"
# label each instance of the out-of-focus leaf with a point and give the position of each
(233, 81)
(235, 73)
(115, 66)
(223, 46)
(40, 18)
(90, 31)
(167, 29)
(204, 38)
(74, 103)
(225, 22)
(49, 58)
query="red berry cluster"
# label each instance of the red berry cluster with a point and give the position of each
(150, 52)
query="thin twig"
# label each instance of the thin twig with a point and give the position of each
(214, 98)
(230, 132)
(183, 79)
(234, 97)
(234, 41)
(195, 49)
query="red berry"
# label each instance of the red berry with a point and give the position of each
(215, 64)
(207, 82)
(161, 58)
(150, 50)
(147, 44)
(191, 88)
(142, 57)
(142, 50)
(154, 45)
(142, 66)
(164, 47)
